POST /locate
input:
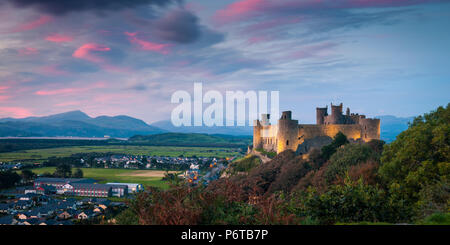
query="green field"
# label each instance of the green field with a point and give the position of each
(115, 175)
(40, 155)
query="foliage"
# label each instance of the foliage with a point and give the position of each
(437, 218)
(244, 165)
(8, 179)
(354, 202)
(63, 171)
(78, 173)
(417, 164)
(346, 157)
(339, 140)
(269, 154)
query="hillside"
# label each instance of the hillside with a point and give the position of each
(234, 130)
(180, 139)
(75, 123)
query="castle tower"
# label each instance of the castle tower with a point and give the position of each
(257, 142)
(265, 119)
(287, 135)
(321, 113)
(336, 114)
(370, 128)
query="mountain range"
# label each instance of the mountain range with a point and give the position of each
(78, 124)
(75, 123)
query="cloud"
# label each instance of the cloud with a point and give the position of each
(178, 26)
(58, 38)
(28, 51)
(70, 91)
(42, 20)
(247, 9)
(16, 112)
(61, 7)
(84, 52)
(146, 45)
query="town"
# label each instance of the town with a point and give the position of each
(52, 201)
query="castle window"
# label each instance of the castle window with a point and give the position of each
(287, 142)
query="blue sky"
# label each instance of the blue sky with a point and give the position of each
(380, 57)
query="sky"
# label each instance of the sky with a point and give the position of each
(378, 57)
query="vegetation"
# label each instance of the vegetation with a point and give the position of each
(41, 155)
(243, 165)
(114, 175)
(269, 154)
(181, 139)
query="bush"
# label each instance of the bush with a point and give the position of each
(346, 157)
(353, 202)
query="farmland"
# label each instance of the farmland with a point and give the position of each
(40, 155)
(144, 177)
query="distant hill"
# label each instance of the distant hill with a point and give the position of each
(75, 123)
(235, 130)
(391, 126)
(191, 139)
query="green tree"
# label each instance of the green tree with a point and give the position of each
(63, 171)
(28, 175)
(78, 173)
(8, 179)
(419, 159)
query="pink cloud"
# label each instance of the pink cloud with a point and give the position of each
(16, 112)
(4, 98)
(3, 88)
(146, 45)
(27, 51)
(247, 9)
(84, 52)
(43, 19)
(52, 70)
(68, 103)
(70, 91)
(58, 38)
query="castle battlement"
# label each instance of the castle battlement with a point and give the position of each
(289, 134)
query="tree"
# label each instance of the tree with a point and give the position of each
(63, 171)
(28, 175)
(78, 173)
(419, 159)
(8, 179)
(338, 140)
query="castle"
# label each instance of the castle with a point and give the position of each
(288, 134)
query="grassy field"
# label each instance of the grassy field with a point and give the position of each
(118, 175)
(40, 155)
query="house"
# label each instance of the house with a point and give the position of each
(132, 187)
(48, 222)
(32, 221)
(8, 220)
(5, 208)
(119, 190)
(22, 204)
(58, 183)
(86, 214)
(67, 214)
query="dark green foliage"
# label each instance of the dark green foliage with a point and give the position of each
(354, 202)
(244, 165)
(338, 140)
(27, 175)
(345, 157)
(63, 171)
(180, 139)
(8, 179)
(417, 164)
(78, 173)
